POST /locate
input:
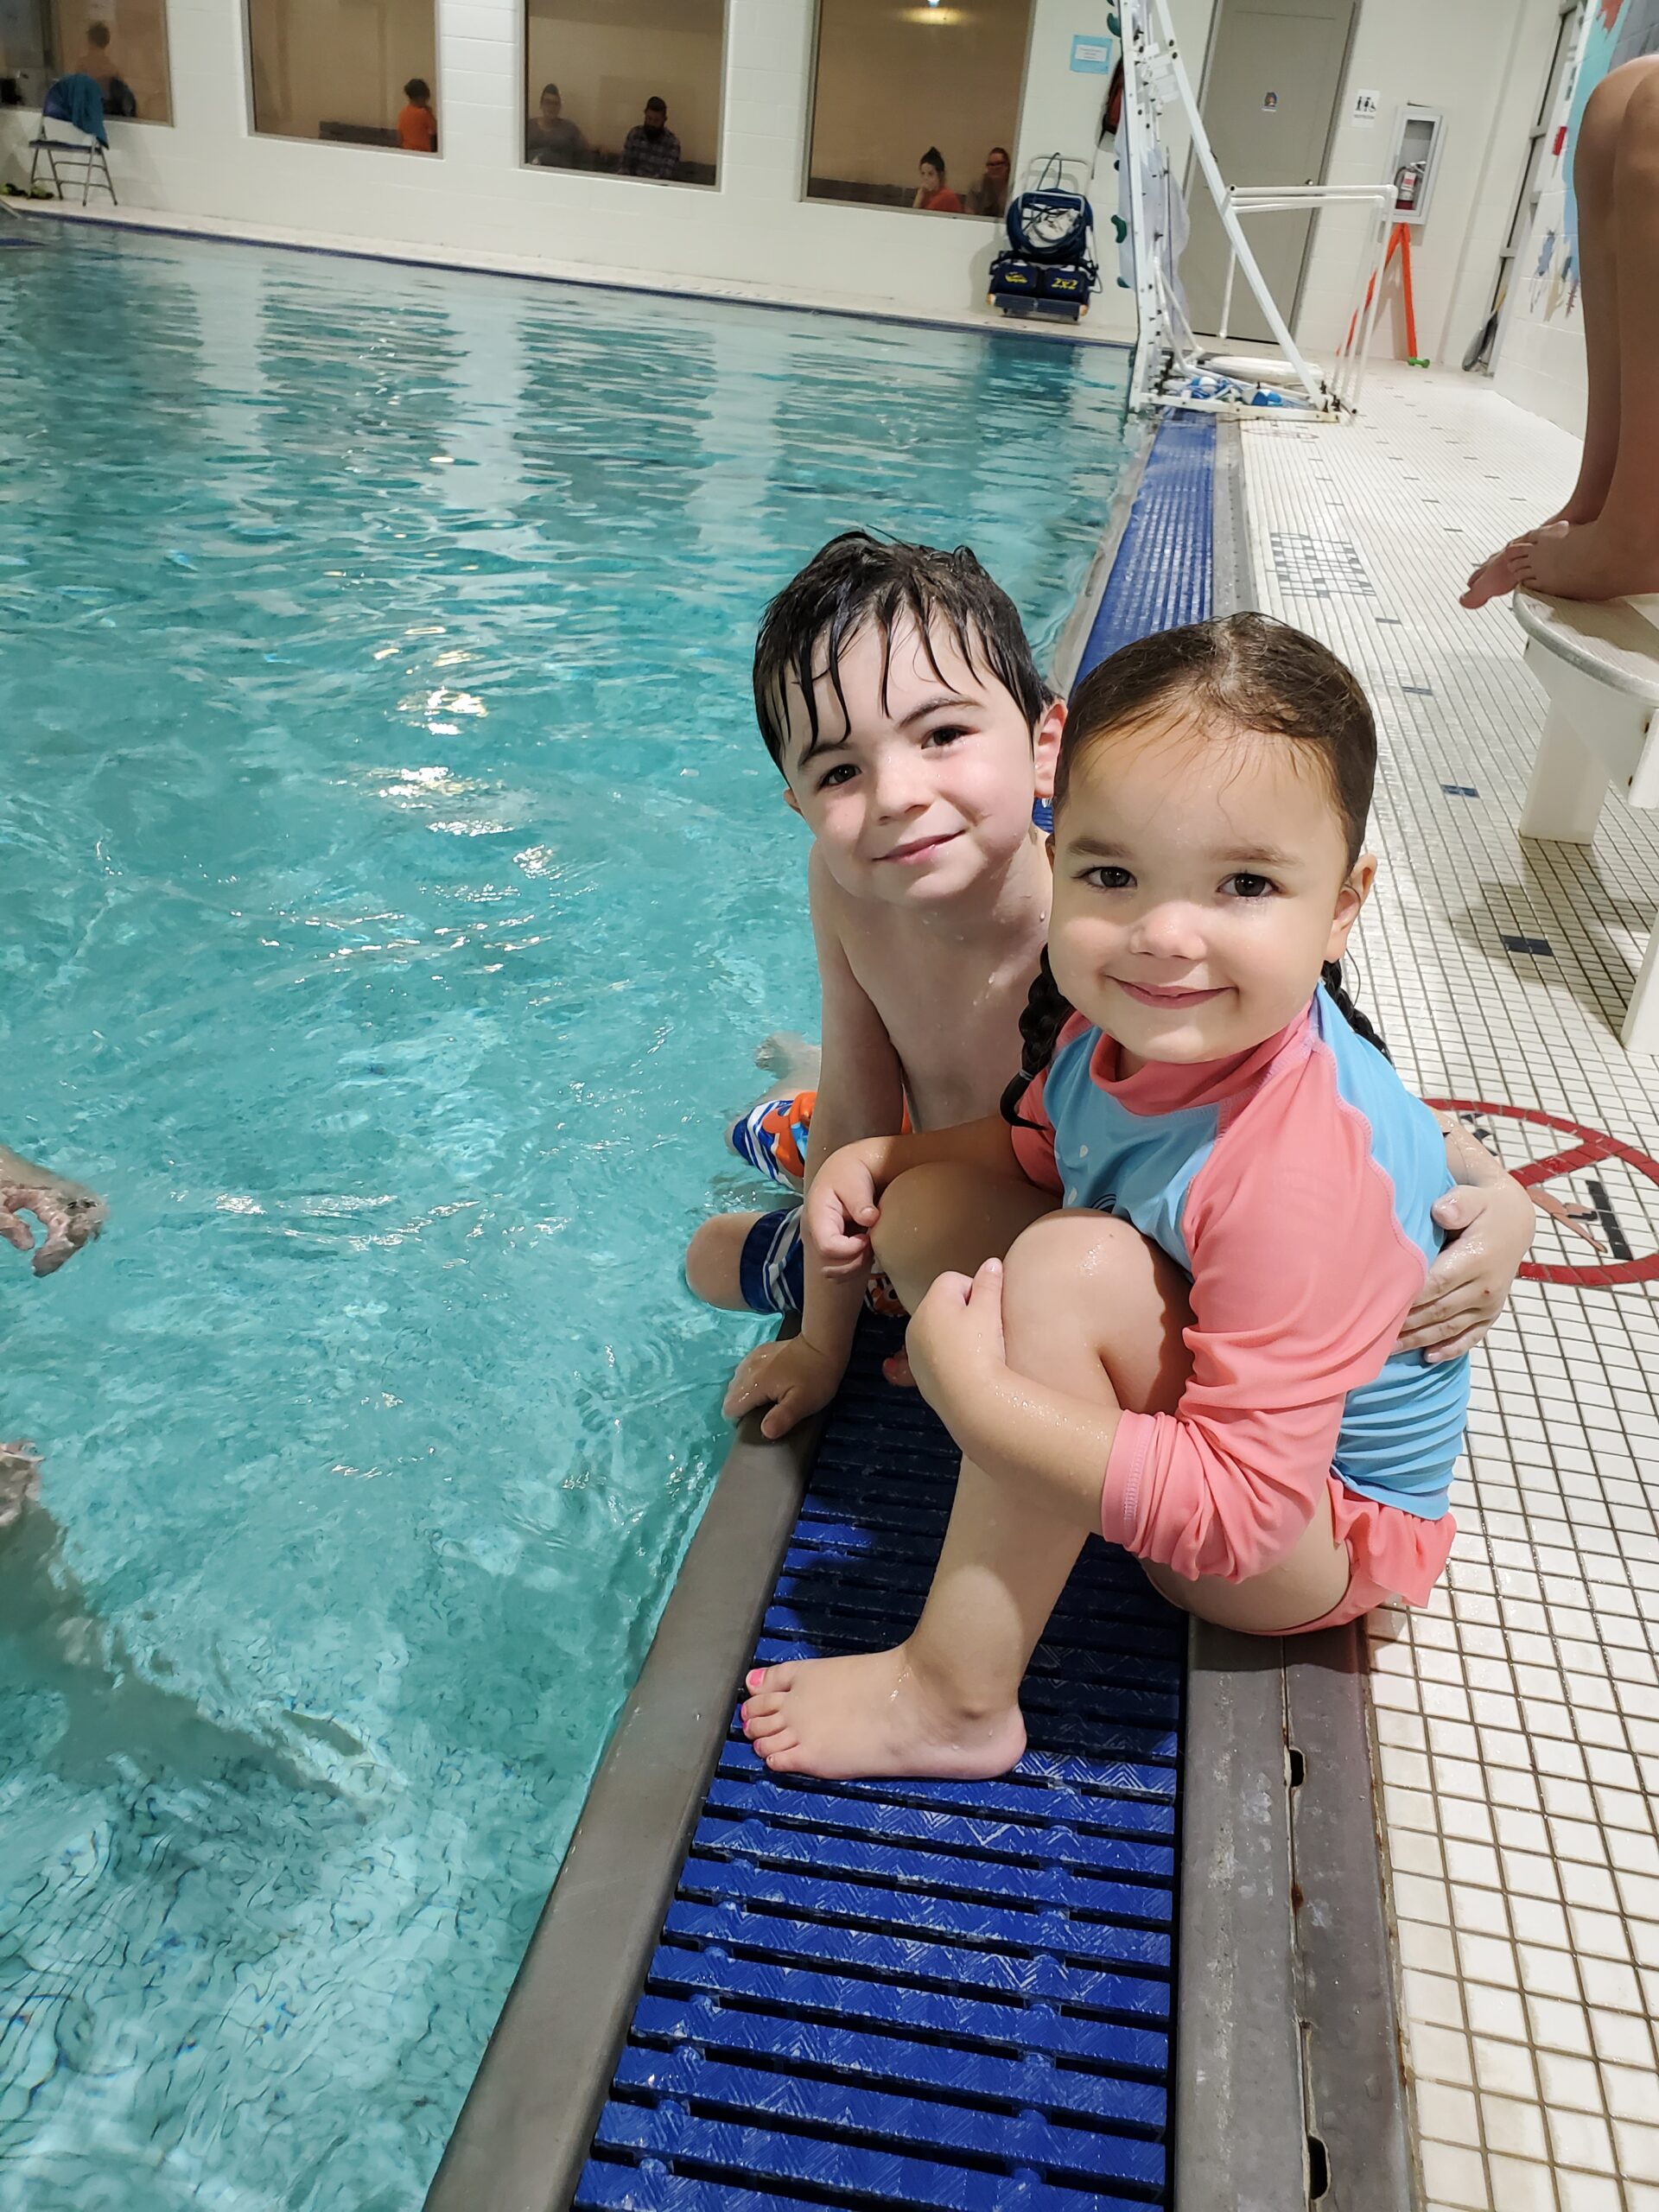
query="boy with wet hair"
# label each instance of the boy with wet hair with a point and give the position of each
(896, 691)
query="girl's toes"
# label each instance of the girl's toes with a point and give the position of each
(782, 1755)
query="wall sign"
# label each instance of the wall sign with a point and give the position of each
(1367, 107)
(1092, 57)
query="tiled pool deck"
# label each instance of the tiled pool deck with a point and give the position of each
(1517, 1715)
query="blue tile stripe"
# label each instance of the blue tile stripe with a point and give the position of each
(952, 1995)
(1164, 572)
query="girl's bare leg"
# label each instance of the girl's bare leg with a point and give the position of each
(1593, 166)
(1091, 1308)
(1617, 550)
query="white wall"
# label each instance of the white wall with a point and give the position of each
(1483, 64)
(476, 200)
(1540, 362)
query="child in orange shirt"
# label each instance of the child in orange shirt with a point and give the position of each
(417, 127)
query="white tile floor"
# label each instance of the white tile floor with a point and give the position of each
(1517, 1715)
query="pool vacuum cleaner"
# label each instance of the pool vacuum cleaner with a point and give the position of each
(1047, 269)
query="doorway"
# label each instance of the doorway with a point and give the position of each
(1270, 91)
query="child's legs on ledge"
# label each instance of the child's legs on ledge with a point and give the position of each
(1090, 1308)
(947, 1219)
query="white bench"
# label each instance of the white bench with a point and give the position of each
(1600, 668)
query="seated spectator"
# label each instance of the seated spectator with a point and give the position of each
(96, 61)
(650, 147)
(932, 194)
(417, 127)
(990, 195)
(99, 63)
(551, 140)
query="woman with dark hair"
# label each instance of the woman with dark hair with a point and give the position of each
(932, 195)
(990, 195)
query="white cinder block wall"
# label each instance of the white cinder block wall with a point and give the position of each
(477, 202)
(1483, 64)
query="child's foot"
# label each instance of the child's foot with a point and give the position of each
(1499, 573)
(790, 1059)
(895, 1369)
(1590, 560)
(846, 1719)
(20, 1480)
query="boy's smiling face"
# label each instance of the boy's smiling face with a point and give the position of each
(922, 790)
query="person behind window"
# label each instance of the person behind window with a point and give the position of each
(990, 195)
(417, 127)
(99, 63)
(551, 140)
(96, 61)
(650, 147)
(932, 194)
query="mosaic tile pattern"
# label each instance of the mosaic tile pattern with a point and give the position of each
(1518, 1714)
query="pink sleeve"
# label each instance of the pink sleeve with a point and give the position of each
(1301, 1278)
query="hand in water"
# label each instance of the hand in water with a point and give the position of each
(70, 1214)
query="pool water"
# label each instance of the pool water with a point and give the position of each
(393, 894)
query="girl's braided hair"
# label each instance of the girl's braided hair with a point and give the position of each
(1241, 671)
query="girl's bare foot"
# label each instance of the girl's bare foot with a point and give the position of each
(1592, 560)
(1500, 573)
(878, 1714)
(895, 1369)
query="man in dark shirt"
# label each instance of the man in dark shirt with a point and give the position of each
(651, 148)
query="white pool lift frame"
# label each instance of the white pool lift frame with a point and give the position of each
(1167, 356)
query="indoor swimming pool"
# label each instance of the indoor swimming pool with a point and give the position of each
(393, 894)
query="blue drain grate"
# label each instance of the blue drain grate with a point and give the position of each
(954, 1995)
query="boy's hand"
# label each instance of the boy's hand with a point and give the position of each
(955, 1340)
(70, 1214)
(794, 1376)
(1490, 1234)
(840, 1211)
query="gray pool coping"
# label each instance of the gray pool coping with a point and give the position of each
(1287, 2063)
(1289, 2078)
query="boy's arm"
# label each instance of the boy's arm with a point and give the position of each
(860, 1094)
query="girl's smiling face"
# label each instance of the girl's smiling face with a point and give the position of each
(1201, 881)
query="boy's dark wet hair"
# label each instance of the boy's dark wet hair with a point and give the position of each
(418, 90)
(858, 581)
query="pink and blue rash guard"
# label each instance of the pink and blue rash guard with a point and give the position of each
(1294, 1184)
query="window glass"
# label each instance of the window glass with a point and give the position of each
(917, 105)
(631, 87)
(122, 44)
(364, 73)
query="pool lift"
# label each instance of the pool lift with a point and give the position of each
(1171, 369)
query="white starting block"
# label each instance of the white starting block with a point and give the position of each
(1600, 666)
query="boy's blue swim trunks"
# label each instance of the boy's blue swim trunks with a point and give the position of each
(772, 1137)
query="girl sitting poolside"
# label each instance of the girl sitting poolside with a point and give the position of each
(1195, 1353)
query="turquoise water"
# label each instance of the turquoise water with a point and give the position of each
(393, 891)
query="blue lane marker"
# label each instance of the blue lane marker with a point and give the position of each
(1459, 790)
(1541, 946)
(952, 1995)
